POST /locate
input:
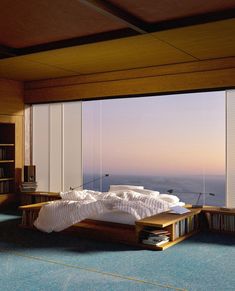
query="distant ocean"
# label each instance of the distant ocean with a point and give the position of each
(182, 186)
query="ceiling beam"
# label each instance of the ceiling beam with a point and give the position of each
(7, 52)
(134, 26)
(113, 12)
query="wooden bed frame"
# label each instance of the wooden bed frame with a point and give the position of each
(116, 232)
(202, 218)
(101, 230)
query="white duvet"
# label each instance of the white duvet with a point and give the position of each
(76, 206)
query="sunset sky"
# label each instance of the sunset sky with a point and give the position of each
(181, 134)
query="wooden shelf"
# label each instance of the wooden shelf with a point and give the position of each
(189, 222)
(28, 198)
(7, 158)
(115, 232)
(7, 145)
(170, 243)
(42, 193)
(164, 219)
(221, 210)
(6, 179)
(219, 219)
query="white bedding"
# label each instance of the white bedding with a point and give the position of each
(76, 206)
(116, 217)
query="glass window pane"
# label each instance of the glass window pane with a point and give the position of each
(161, 142)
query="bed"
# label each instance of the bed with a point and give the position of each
(123, 204)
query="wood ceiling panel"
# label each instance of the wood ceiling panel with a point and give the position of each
(205, 41)
(132, 52)
(153, 11)
(21, 69)
(32, 22)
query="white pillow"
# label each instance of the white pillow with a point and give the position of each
(124, 187)
(169, 198)
(147, 192)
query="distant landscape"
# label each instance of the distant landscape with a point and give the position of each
(160, 142)
(182, 186)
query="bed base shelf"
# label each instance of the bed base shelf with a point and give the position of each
(204, 218)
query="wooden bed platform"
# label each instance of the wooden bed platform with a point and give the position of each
(123, 233)
(94, 229)
(179, 227)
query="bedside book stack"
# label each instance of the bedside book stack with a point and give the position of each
(154, 237)
(28, 186)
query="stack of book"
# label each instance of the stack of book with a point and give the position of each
(28, 186)
(155, 237)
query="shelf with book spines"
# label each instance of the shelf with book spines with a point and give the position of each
(176, 227)
(7, 158)
(220, 219)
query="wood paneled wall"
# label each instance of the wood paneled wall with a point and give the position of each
(190, 76)
(11, 97)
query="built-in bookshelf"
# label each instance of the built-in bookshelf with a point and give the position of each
(28, 198)
(171, 228)
(166, 229)
(220, 219)
(7, 158)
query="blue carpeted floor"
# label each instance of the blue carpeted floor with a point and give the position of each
(31, 260)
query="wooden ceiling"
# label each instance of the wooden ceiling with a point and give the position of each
(50, 39)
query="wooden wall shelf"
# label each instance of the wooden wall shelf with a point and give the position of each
(7, 158)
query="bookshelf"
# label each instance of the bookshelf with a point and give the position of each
(28, 198)
(219, 219)
(175, 227)
(7, 158)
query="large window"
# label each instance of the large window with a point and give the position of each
(161, 142)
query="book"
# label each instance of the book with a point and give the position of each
(154, 231)
(178, 210)
(152, 243)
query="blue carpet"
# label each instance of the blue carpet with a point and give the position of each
(31, 260)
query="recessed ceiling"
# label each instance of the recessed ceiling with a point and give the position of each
(32, 22)
(51, 39)
(153, 11)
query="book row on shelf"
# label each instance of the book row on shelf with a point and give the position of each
(154, 237)
(5, 187)
(186, 226)
(4, 172)
(221, 222)
(3, 153)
